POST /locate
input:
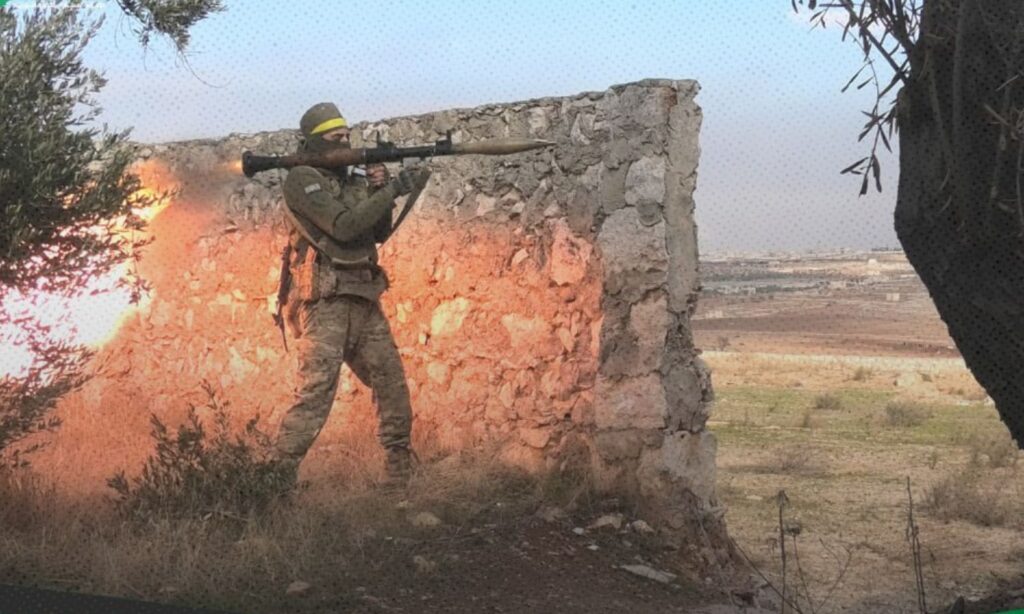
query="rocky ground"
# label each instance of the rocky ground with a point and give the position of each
(530, 565)
(466, 536)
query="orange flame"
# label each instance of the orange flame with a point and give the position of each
(93, 315)
(158, 187)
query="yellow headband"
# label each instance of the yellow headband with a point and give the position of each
(331, 124)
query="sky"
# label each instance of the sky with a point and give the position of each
(776, 128)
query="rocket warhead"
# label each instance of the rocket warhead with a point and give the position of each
(500, 147)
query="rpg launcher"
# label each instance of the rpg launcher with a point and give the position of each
(388, 152)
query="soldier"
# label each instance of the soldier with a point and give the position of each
(337, 218)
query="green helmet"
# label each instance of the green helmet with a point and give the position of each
(320, 118)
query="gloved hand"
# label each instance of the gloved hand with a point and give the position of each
(407, 180)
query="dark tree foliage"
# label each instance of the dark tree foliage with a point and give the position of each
(67, 193)
(25, 402)
(955, 95)
(172, 18)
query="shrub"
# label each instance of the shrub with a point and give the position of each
(827, 401)
(192, 474)
(795, 459)
(998, 449)
(807, 421)
(959, 496)
(906, 414)
(862, 374)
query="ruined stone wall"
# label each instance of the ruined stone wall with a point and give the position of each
(540, 301)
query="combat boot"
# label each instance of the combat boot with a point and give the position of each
(398, 465)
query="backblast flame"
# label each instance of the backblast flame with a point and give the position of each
(91, 316)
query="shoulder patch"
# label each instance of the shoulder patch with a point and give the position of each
(313, 187)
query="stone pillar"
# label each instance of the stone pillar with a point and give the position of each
(653, 393)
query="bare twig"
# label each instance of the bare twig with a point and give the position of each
(933, 97)
(800, 574)
(781, 499)
(1002, 143)
(865, 32)
(894, 19)
(764, 578)
(897, 22)
(840, 575)
(1020, 172)
(912, 535)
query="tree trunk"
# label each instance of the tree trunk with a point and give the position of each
(957, 211)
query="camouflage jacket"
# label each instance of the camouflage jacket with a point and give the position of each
(346, 218)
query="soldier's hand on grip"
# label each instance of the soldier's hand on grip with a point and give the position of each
(420, 177)
(407, 181)
(403, 183)
(377, 174)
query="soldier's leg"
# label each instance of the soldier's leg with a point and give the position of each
(375, 360)
(325, 325)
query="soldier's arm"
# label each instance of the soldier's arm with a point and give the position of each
(304, 192)
(382, 230)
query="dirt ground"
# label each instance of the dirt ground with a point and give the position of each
(836, 394)
(462, 538)
(868, 304)
(527, 565)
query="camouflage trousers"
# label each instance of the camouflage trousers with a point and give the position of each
(345, 330)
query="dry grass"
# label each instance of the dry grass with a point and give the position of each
(993, 449)
(808, 421)
(795, 459)
(163, 538)
(962, 495)
(23, 500)
(246, 563)
(828, 401)
(905, 414)
(862, 374)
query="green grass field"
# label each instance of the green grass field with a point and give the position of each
(841, 445)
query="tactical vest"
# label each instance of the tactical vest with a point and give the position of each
(321, 265)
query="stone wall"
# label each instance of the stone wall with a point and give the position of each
(540, 301)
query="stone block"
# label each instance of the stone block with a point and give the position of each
(526, 334)
(615, 446)
(649, 320)
(627, 246)
(535, 437)
(448, 317)
(645, 182)
(570, 255)
(684, 462)
(630, 402)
